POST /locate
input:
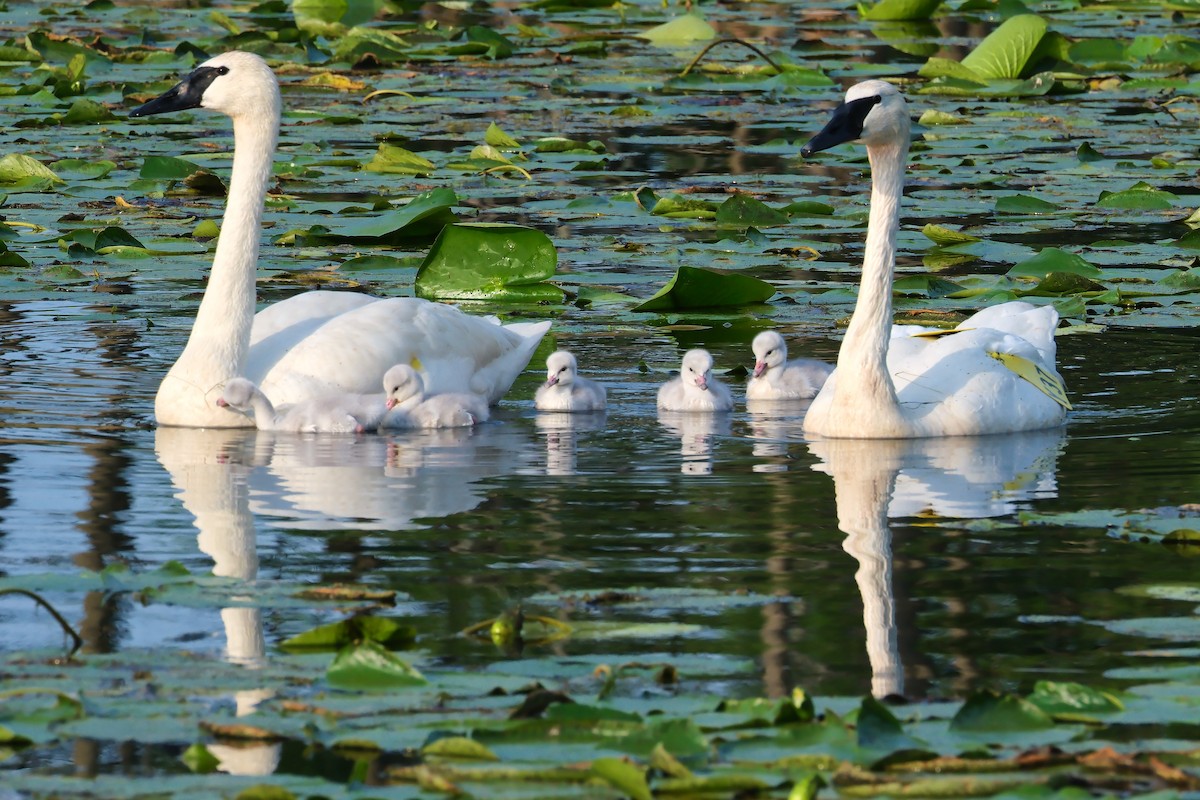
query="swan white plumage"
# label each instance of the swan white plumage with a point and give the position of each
(695, 389)
(317, 342)
(327, 414)
(565, 389)
(890, 383)
(410, 407)
(776, 378)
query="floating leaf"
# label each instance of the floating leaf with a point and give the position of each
(392, 159)
(681, 30)
(989, 711)
(1052, 259)
(369, 666)
(697, 287)
(743, 211)
(489, 261)
(1024, 204)
(166, 168)
(459, 747)
(15, 168)
(946, 237)
(899, 9)
(387, 632)
(497, 138)
(935, 117)
(627, 778)
(1007, 51)
(1140, 196)
(1056, 698)
(425, 214)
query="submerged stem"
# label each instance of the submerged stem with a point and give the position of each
(692, 64)
(66, 626)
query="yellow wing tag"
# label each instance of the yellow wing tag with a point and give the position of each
(941, 333)
(415, 363)
(1045, 381)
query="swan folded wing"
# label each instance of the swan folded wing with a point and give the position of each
(352, 351)
(297, 316)
(1034, 324)
(966, 389)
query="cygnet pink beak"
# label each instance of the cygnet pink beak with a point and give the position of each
(759, 368)
(391, 403)
(702, 382)
(221, 403)
(552, 379)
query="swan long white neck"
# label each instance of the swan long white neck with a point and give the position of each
(863, 380)
(220, 338)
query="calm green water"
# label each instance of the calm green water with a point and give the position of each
(470, 522)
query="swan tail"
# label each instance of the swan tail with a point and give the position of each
(495, 379)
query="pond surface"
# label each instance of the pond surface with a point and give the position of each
(925, 570)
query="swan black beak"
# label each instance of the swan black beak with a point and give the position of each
(845, 125)
(184, 95)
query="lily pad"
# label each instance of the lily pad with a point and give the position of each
(697, 287)
(1008, 50)
(487, 261)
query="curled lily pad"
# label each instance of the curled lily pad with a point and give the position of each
(1007, 51)
(697, 287)
(487, 261)
(899, 9)
(681, 30)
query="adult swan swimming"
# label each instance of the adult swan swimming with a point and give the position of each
(316, 342)
(907, 381)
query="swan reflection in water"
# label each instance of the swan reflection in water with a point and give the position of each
(560, 428)
(233, 479)
(696, 431)
(954, 477)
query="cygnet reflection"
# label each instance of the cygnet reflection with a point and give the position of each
(697, 432)
(561, 431)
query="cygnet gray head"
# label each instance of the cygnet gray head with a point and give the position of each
(560, 368)
(400, 383)
(696, 369)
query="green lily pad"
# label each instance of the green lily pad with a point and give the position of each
(426, 213)
(16, 168)
(987, 712)
(1058, 698)
(945, 237)
(1024, 204)
(1140, 196)
(697, 287)
(396, 160)
(1053, 259)
(1008, 50)
(899, 9)
(744, 211)
(369, 665)
(684, 29)
(623, 776)
(489, 261)
(387, 632)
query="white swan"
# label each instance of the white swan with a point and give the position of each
(915, 386)
(326, 414)
(410, 407)
(776, 378)
(565, 389)
(316, 342)
(695, 389)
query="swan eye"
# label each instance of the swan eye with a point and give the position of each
(222, 70)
